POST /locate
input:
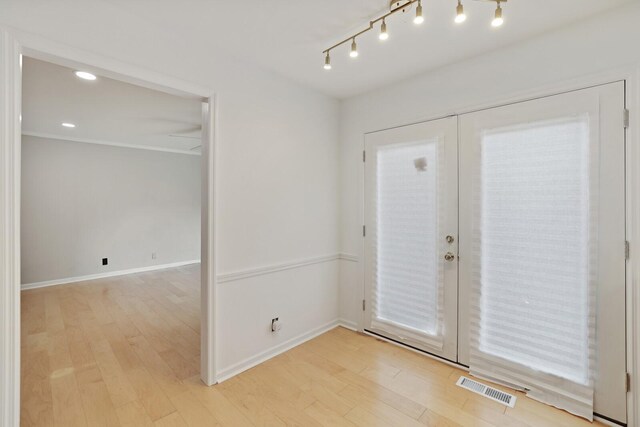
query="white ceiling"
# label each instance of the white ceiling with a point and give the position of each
(288, 36)
(105, 110)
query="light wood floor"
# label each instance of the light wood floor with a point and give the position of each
(125, 351)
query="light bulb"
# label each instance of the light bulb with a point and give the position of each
(383, 31)
(419, 19)
(327, 62)
(460, 15)
(354, 49)
(497, 20)
(85, 75)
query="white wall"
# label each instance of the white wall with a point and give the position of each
(278, 168)
(603, 43)
(84, 202)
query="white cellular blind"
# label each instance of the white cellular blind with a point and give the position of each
(533, 317)
(408, 279)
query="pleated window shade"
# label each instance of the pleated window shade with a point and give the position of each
(533, 290)
(408, 280)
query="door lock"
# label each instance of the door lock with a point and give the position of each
(449, 239)
(449, 256)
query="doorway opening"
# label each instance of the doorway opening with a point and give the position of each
(117, 259)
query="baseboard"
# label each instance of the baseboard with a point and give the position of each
(259, 358)
(348, 324)
(76, 279)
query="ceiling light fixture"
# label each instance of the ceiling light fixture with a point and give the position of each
(460, 15)
(354, 49)
(68, 125)
(84, 75)
(404, 5)
(497, 19)
(383, 31)
(327, 62)
(419, 19)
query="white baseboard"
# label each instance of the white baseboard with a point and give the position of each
(259, 358)
(64, 281)
(348, 324)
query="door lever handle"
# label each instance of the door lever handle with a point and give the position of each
(449, 256)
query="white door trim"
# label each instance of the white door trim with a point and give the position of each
(631, 76)
(14, 43)
(10, 77)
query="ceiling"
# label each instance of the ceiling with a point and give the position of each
(288, 36)
(105, 110)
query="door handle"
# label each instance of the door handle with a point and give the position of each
(449, 256)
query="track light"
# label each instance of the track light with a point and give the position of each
(85, 75)
(354, 49)
(497, 20)
(383, 31)
(397, 6)
(419, 19)
(460, 15)
(327, 62)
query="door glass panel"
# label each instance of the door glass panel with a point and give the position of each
(409, 274)
(535, 232)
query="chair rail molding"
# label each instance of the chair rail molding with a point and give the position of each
(274, 268)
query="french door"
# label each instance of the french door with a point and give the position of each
(411, 243)
(536, 297)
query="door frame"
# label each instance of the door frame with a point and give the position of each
(13, 44)
(446, 130)
(631, 76)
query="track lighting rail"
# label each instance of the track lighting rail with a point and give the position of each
(402, 5)
(371, 24)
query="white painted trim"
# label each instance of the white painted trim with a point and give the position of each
(348, 324)
(633, 236)
(209, 217)
(274, 268)
(607, 422)
(10, 100)
(110, 143)
(67, 280)
(349, 257)
(261, 357)
(38, 47)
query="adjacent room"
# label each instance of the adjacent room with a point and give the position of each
(112, 290)
(297, 213)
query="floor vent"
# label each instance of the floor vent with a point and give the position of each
(488, 392)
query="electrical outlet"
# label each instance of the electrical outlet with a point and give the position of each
(105, 261)
(275, 325)
(153, 255)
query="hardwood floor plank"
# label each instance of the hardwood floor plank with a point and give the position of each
(193, 411)
(133, 415)
(125, 351)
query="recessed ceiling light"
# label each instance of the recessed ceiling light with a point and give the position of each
(85, 75)
(68, 125)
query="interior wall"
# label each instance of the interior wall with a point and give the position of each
(585, 48)
(277, 177)
(84, 202)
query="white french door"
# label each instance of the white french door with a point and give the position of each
(542, 248)
(536, 298)
(410, 241)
